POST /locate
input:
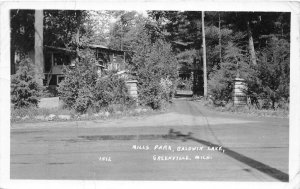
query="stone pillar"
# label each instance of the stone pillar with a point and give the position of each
(239, 96)
(38, 46)
(132, 87)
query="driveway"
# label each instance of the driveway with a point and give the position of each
(189, 142)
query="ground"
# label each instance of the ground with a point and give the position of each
(240, 148)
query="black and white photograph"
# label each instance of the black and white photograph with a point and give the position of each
(151, 95)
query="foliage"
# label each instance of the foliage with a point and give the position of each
(124, 31)
(67, 28)
(269, 80)
(186, 60)
(83, 89)
(75, 89)
(152, 61)
(98, 23)
(61, 28)
(236, 64)
(153, 44)
(155, 67)
(185, 84)
(25, 90)
(250, 111)
(168, 88)
(273, 72)
(22, 29)
(111, 89)
(183, 28)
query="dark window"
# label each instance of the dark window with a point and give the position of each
(61, 59)
(47, 62)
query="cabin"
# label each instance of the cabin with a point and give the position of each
(55, 58)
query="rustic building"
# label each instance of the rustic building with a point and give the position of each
(56, 57)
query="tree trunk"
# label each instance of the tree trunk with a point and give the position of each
(220, 42)
(77, 42)
(251, 44)
(38, 46)
(12, 61)
(204, 57)
(78, 18)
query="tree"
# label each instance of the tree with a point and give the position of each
(76, 89)
(99, 23)
(273, 72)
(236, 63)
(22, 34)
(38, 46)
(154, 66)
(124, 31)
(66, 28)
(25, 90)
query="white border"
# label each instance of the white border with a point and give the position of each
(294, 154)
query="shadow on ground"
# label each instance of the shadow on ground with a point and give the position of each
(266, 169)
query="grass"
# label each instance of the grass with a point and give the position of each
(249, 110)
(34, 114)
(31, 113)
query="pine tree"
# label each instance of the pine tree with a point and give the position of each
(25, 90)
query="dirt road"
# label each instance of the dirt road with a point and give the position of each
(187, 143)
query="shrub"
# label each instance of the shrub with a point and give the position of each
(83, 90)
(167, 88)
(84, 100)
(76, 89)
(111, 89)
(25, 90)
(151, 95)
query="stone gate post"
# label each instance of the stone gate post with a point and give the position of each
(132, 87)
(239, 96)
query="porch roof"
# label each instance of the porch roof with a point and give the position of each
(60, 49)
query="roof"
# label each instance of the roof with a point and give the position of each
(182, 43)
(89, 45)
(98, 46)
(60, 49)
(103, 47)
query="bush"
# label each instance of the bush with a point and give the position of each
(84, 100)
(25, 90)
(76, 89)
(82, 89)
(111, 89)
(150, 95)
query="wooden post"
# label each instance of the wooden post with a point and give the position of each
(204, 57)
(38, 46)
